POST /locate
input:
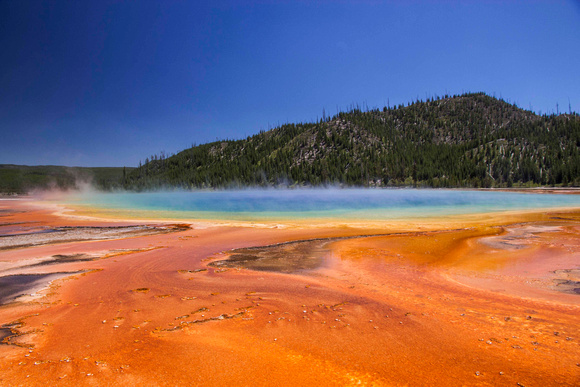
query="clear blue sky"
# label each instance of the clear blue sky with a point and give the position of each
(108, 83)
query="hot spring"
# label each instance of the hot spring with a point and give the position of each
(353, 204)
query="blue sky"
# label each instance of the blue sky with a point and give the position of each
(108, 83)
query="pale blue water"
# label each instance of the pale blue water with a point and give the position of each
(369, 204)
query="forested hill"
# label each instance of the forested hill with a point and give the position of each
(470, 140)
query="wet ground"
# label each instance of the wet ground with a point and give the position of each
(14, 286)
(15, 240)
(284, 257)
(469, 302)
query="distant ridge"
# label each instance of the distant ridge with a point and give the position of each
(19, 179)
(469, 140)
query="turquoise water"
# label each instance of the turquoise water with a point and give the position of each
(368, 204)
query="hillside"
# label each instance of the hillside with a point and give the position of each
(470, 140)
(22, 178)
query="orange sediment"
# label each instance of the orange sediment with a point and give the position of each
(460, 301)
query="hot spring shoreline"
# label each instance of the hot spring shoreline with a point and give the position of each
(108, 210)
(479, 299)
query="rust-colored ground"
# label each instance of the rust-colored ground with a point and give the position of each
(477, 300)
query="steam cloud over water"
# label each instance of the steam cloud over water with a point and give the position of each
(318, 203)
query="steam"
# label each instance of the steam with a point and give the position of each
(82, 185)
